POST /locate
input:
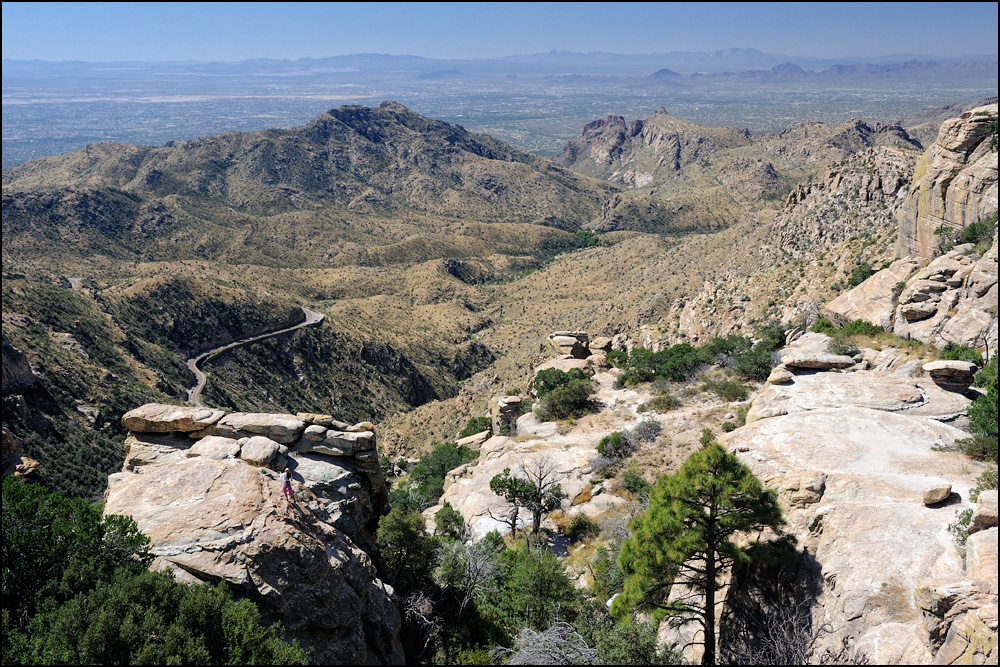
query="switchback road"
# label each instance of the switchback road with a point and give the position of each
(194, 393)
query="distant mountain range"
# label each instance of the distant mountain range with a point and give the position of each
(726, 60)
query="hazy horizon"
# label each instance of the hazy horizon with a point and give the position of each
(214, 32)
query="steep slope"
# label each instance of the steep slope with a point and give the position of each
(383, 220)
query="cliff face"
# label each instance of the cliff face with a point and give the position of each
(202, 486)
(954, 183)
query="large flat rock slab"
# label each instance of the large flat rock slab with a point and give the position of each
(867, 536)
(867, 389)
(161, 418)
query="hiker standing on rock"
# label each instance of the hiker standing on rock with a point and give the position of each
(286, 484)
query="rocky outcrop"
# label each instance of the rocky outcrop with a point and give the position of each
(952, 299)
(862, 464)
(954, 183)
(213, 509)
(13, 462)
(17, 371)
(575, 344)
(874, 300)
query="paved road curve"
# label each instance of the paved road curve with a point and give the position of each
(194, 393)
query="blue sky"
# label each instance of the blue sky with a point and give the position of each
(240, 31)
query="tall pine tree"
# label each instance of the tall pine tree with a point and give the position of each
(686, 538)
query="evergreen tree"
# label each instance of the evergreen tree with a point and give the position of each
(686, 538)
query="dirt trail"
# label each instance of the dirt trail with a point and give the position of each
(311, 318)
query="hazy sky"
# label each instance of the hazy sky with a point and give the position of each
(239, 31)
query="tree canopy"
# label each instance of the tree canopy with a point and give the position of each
(681, 545)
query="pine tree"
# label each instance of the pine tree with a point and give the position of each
(686, 538)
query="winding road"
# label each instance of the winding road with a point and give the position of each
(194, 393)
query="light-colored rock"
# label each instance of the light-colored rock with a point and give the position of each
(226, 520)
(601, 344)
(314, 433)
(215, 447)
(572, 343)
(780, 375)
(938, 309)
(981, 557)
(260, 450)
(971, 639)
(281, 428)
(936, 493)
(504, 411)
(14, 463)
(874, 300)
(868, 544)
(985, 516)
(951, 372)
(142, 449)
(474, 441)
(823, 361)
(955, 182)
(326, 421)
(529, 424)
(869, 389)
(160, 418)
(361, 427)
(566, 363)
(356, 441)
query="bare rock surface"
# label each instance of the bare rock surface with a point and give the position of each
(215, 447)
(284, 429)
(874, 300)
(869, 389)
(985, 516)
(860, 461)
(159, 418)
(213, 516)
(260, 450)
(954, 182)
(952, 300)
(868, 538)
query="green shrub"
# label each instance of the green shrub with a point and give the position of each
(980, 233)
(613, 446)
(754, 364)
(617, 358)
(861, 328)
(860, 273)
(427, 476)
(449, 522)
(728, 426)
(983, 417)
(564, 395)
(580, 527)
(727, 390)
(955, 352)
(550, 379)
(823, 325)
(840, 346)
(476, 425)
(663, 403)
(634, 483)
